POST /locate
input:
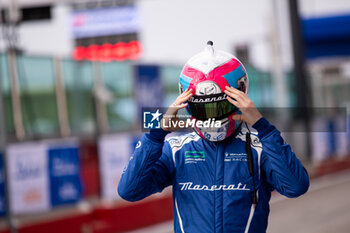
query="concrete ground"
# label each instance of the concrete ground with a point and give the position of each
(325, 208)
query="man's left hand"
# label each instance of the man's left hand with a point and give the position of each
(250, 113)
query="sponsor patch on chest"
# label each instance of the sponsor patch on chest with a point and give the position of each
(194, 156)
(235, 157)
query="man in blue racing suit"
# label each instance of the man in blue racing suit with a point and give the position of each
(222, 178)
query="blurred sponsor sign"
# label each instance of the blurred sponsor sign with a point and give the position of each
(330, 142)
(28, 177)
(41, 175)
(149, 89)
(105, 21)
(65, 184)
(114, 152)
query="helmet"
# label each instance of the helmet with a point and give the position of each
(207, 74)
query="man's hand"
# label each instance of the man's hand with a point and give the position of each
(250, 113)
(170, 117)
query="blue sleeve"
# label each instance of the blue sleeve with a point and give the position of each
(150, 168)
(282, 169)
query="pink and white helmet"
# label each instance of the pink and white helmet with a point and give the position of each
(207, 74)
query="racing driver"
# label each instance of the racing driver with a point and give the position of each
(222, 177)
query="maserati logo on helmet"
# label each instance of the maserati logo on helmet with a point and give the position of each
(208, 88)
(193, 99)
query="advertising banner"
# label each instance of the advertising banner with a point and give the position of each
(114, 152)
(64, 171)
(28, 177)
(105, 21)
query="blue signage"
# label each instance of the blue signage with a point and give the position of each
(149, 86)
(64, 172)
(327, 36)
(105, 21)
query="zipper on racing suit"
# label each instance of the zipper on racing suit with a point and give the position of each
(251, 166)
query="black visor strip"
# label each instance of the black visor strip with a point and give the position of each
(217, 110)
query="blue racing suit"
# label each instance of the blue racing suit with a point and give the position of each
(212, 186)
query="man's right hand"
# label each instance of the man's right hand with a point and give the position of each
(170, 118)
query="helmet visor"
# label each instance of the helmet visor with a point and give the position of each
(210, 106)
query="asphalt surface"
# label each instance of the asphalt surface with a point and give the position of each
(325, 208)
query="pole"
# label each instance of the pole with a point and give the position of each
(61, 99)
(100, 103)
(13, 17)
(280, 85)
(277, 69)
(15, 97)
(302, 83)
(3, 143)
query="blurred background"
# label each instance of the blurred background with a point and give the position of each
(74, 75)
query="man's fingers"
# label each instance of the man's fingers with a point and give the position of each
(233, 95)
(174, 108)
(183, 98)
(187, 92)
(239, 96)
(235, 91)
(187, 96)
(183, 105)
(232, 101)
(170, 115)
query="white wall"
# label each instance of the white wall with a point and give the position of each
(51, 37)
(174, 30)
(313, 8)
